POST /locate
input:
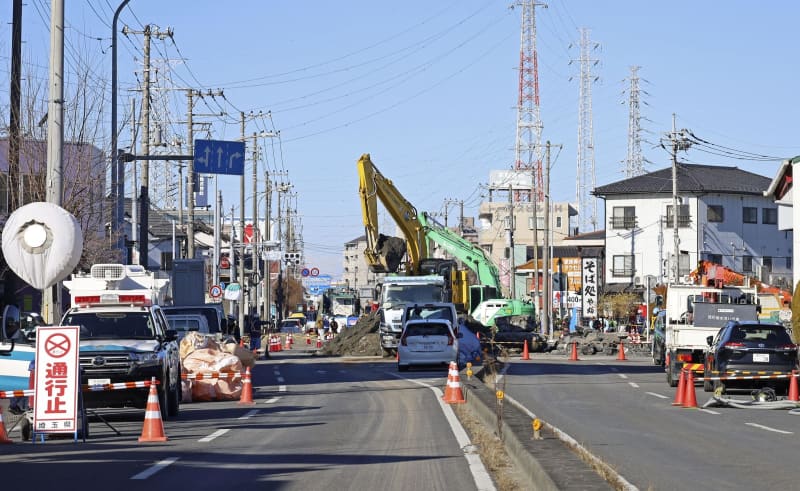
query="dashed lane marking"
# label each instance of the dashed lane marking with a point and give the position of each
(155, 468)
(622, 376)
(634, 385)
(281, 388)
(660, 396)
(214, 435)
(709, 411)
(248, 414)
(271, 400)
(280, 380)
(782, 432)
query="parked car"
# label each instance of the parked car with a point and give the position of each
(426, 342)
(291, 325)
(750, 346)
(183, 323)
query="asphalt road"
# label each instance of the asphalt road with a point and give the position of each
(318, 423)
(622, 411)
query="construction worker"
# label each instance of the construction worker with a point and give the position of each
(334, 326)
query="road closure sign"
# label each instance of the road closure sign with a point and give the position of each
(56, 380)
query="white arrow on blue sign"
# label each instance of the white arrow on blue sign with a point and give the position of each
(219, 157)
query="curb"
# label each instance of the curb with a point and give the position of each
(547, 464)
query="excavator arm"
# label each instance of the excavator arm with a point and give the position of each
(471, 255)
(383, 253)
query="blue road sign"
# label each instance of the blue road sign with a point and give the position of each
(219, 157)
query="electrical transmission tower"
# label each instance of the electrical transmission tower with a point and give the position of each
(587, 204)
(634, 161)
(528, 145)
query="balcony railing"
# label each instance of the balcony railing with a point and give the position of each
(683, 221)
(623, 222)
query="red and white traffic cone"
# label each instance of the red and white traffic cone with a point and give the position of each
(678, 401)
(793, 395)
(690, 396)
(153, 428)
(246, 398)
(452, 393)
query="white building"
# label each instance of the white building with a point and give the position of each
(723, 216)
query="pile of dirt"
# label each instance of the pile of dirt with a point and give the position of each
(359, 340)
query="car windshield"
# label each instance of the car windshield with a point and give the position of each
(761, 334)
(112, 325)
(413, 293)
(210, 313)
(183, 325)
(430, 312)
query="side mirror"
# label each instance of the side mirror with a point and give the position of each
(9, 328)
(710, 340)
(170, 335)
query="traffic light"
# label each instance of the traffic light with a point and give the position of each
(292, 258)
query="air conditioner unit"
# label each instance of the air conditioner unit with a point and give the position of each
(686, 279)
(637, 281)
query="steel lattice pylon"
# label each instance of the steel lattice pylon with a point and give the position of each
(634, 162)
(587, 204)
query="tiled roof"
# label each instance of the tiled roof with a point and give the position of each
(692, 178)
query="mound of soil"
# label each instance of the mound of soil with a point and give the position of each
(359, 340)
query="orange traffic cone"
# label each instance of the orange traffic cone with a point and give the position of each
(681, 389)
(621, 353)
(793, 394)
(3, 435)
(453, 394)
(690, 397)
(525, 355)
(308, 338)
(288, 343)
(574, 355)
(247, 389)
(153, 428)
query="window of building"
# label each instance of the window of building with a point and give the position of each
(623, 217)
(539, 223)
(747, 264)
(558, 222)
(622, 266)
(766, 263)
(684, 266)
(684, 219)
(714, 258)
(749, 214)
(769, 216)
(715, 213)
(789, 263)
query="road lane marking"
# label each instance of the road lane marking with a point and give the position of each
(756, 425)
(622, 376)
(709, 411)
(155, 468)
(271, 400)
(217, 433)
(248, 415)
(480, 475)
(280, 380)
(634, 385)
(657, 395)
(281, 388)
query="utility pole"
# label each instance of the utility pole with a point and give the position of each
(148, 33)
(268, 237)
(548, 277)
(51, 296)
(242, 304)
(135, 199)
(511, 263)
(679, 141)
(254, 240)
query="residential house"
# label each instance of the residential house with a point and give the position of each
(722, 216)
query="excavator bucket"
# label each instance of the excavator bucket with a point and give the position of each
(388, 255)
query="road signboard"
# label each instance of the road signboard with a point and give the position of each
(56, 379)
(215, 291)
(305, 272)
(233, 291)
(323, 280)
(219, 157)
(314, 271)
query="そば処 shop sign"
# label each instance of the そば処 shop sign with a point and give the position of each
(589, 274)
(56, 384)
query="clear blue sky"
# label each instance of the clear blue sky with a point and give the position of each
(430, 88)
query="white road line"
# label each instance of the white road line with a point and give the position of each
(709, 411)
(280, 380)
(479, 473)
(271, 400)
(155, 468)
(622, 375)
(660, 396)
(281, 388)
(248, 414)
(217, 433)
(614, 369)
(634, 385)
(756, 425)
(277, 373)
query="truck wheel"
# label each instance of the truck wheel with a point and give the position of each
(671, 380)
(174, 401)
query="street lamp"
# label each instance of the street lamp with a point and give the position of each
(117, 166)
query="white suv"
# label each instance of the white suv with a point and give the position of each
(426, 342)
